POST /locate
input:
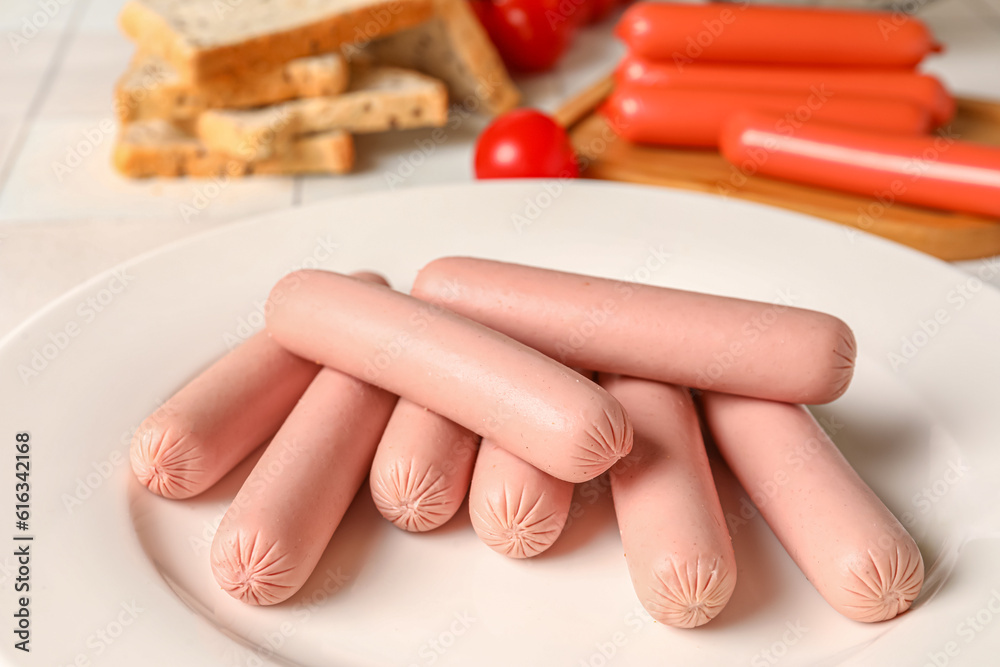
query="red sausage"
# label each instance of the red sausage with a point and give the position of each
(692, 117)
(937, 172)
(847, 543)
(677, 545)
(422, 468)
(921, 90)
(683, 33)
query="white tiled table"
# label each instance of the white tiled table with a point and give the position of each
(57, 228)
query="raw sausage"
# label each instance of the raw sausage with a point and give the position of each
(695, 117)
(853, 550)
(695, 340)
(682, 33)
(217, 419)
(677, 545)
(527, 403)
(940, 172)
(283, 517)
(921, 90)
(516, 509)
(422, 468)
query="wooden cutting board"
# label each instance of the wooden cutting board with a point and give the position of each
(950, 236)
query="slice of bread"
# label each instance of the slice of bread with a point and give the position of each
(157, 148)
(455, 48)
(378, 99)
(203, 39)
(152, 87)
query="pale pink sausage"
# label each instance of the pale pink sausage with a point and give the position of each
(677, 545)
(516, 509)
(685, 338)
(846, 542)
(279, 524)
(422, 468)
(212, 423)
(525, 402)
(281, 520)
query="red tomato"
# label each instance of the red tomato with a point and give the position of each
(525, 143)
(531, 35)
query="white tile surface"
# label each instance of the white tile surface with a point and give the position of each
(101, 15)
(989, 6)
(22, 73)
(970, 64)
(39, 189)
(9, 128)
(30, 17)
(84, 83)
(931, 10)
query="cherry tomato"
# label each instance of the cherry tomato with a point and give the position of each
(525, 143)
(531, 35)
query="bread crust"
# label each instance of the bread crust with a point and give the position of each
(156, 148)
(455, 48)
(152, 88)
(154, 34)
(380, 99)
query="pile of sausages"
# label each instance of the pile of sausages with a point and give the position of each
(485, 349)
(824, 97)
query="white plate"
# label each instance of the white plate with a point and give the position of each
(121, 577)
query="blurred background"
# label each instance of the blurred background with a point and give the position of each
(65, 214)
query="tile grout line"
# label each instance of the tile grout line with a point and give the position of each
(55, 64)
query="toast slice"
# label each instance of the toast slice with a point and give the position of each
(455, 48)
(152, 87)
(157, 148)
(203, 39)
(378, 99)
